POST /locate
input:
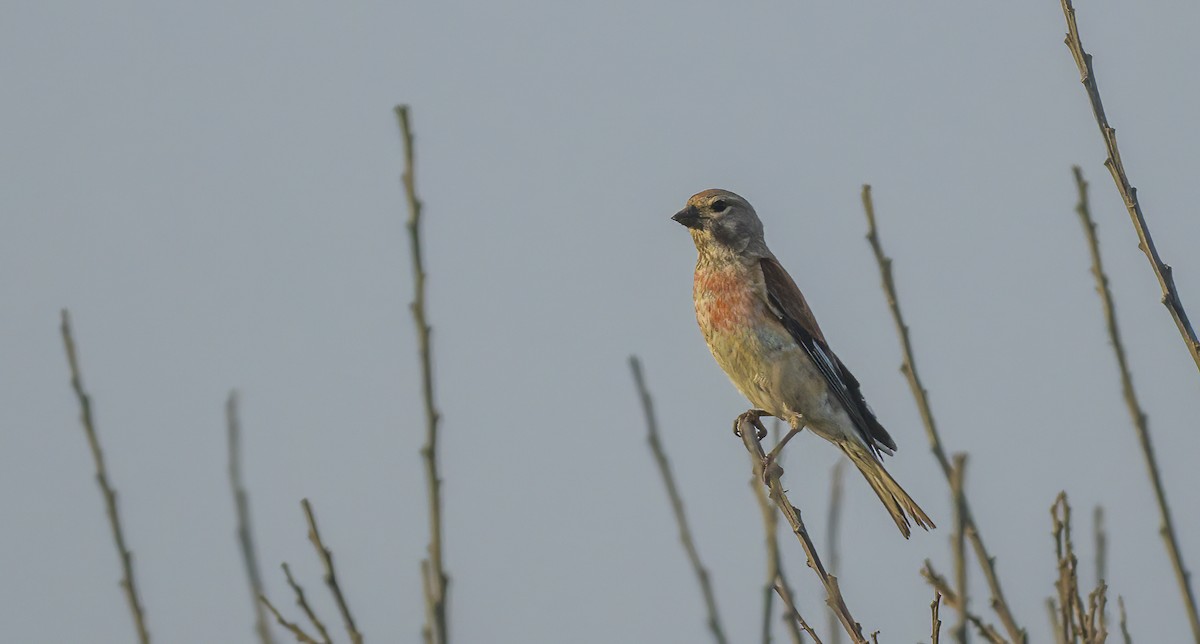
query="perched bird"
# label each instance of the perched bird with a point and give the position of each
(762, 333)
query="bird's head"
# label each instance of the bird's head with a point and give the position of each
(722, 222)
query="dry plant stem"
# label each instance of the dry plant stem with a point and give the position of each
(331, 580)
(796, 617)
(1124, 626)
(1170, 296)
(242, 506)
(1055, 623)
(1101, 544)
(831, 537)
(776, 581)
(833, 594)
(1078, 622)
(936, 631)
(958, 546)
(1141, 424)
(128, 584)
(302, 602)
(942, 588)
(685, 533)
(293, 627)
(909, 369)
(435, 630)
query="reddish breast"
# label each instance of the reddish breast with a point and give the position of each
(724, 300)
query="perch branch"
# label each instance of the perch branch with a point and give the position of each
(293, 627)
(746, 425)
(302, 602)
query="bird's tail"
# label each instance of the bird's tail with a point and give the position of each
(898, 503)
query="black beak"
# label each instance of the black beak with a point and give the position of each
(689, 217)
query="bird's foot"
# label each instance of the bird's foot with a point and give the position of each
(771, 471)
(752, 417)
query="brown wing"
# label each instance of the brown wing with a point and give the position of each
(788, 303)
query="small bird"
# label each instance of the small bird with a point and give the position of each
(762, 333)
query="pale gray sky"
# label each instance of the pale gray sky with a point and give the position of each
(212, 189)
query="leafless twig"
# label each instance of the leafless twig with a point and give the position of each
(936, 629)
(1170, 296)
(128, 583)
(1079, 623)
(790, 604)
(942, 588)
(685, 533)
(436, 583)
(302, 602)
(746, 425)
(331, 580)
(958, 544)
(293, 627)
(242, 506)
(1124, 626)
(909, 368)
(1141, 424)
(831, 537)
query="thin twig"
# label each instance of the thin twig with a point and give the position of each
(746, 426)
(1101, 542)
(1055, 623)
(935, 633)
(128, 584)
(1170, 296)
(331, 580)
(951, 599)
(295, 629)
(790, 604)
(909, 368)
(776, 580)
(302, 602)
(774, 569)
(958, 545)
(1141, 424)
(685, 533)
(435, 629)
(832, 539)
(242, 507)
(1124, 626)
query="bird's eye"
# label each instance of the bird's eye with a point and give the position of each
(719, 206)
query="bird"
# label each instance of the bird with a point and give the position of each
(763, 334)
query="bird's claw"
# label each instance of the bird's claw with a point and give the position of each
(753, 417)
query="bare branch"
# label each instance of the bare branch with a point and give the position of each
(909, 369)
(831, 537)
(435, 630)
(788, 603)
(936, 629)
(242, 506)
(1170, 296)
(942, 588)
(746, 425)
(958, 545)
(128, 583)
(302, 602)
(331, 580)
(685, 533)
(1141, 424)
(293, 627)
(1124, 626)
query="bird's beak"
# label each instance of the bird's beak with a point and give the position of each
(689, 217)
